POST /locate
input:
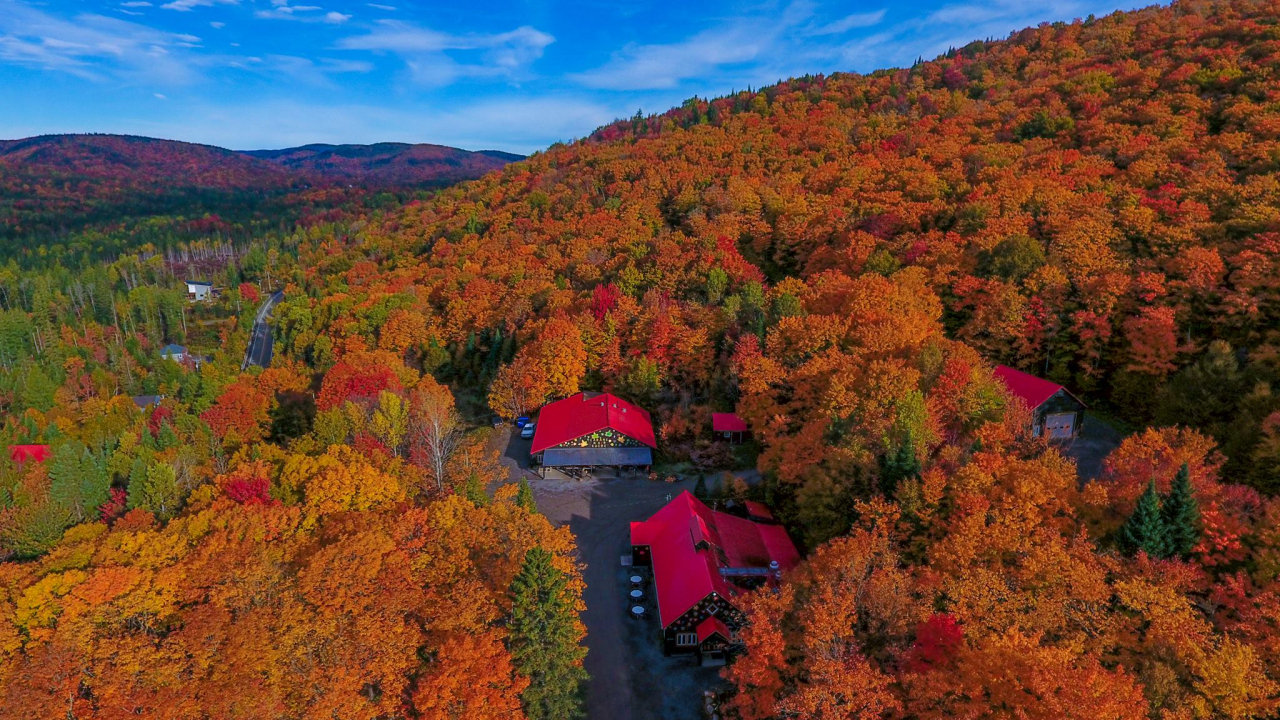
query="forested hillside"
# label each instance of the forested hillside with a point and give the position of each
(839, 259)
(67, 199)
(388, 164)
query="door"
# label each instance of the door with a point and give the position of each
(1060, 425)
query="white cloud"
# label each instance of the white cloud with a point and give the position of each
(217, 25)
(93, 46)
(189, 5)
(304, 70)
(652, 67)
(376, 6)
(135, 4)
(282, 10)
(437, 58)
(801, 38)
(161, 97)
(847, 23)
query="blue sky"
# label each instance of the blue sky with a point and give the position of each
(513, 76)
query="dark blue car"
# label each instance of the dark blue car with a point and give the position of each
(522, 421)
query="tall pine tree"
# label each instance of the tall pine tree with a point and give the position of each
(1181, 514)
(474, 491)
(1145, 529)
(545, 636)
(524, 496)
(898, 466)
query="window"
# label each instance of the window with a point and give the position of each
(686, 639)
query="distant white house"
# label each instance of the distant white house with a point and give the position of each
(176, 353)
(199, 291)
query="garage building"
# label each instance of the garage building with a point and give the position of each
(1055, 412)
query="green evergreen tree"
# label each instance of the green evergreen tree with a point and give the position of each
(545, 640)
(700, 488)
(78, 481)
(157, 490)
(167, 437)
(897, 466)
(1181, 514)
(1145, 529)
(717, 488)
(524, 496)
(474, 491)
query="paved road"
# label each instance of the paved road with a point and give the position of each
(630, 678)
(259, 350)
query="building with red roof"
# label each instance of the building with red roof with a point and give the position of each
(22, 454)
(590, 430)
(1055, 412)
(703, 561)
(728, 426)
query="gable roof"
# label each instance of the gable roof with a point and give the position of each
(689, 543)
(585, 413)
(727, 422)
(711, 626)
(1032, 390)
(172, 349)
(199, 283)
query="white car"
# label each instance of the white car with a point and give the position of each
(527, 431)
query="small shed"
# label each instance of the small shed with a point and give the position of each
(176, 353)
(1055, 412)
(145, 401)
(198, 291)
(729, 426)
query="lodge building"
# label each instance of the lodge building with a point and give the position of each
(703, 561)
(589, 432)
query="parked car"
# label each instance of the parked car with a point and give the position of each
(497, 421)
(522, 421)
(527, 430)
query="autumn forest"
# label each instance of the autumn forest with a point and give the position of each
(841, 260)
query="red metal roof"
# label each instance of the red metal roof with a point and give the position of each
(689, 543)
(585, 413)
(23, 453)
(1033, 390)
(756, 510)
(727, 422)
(711, 626)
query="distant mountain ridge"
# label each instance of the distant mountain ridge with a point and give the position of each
(108, 156)
(396, 163)
(54, 183)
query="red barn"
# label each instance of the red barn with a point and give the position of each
(592, 430)
(703, 560)
(1055, 412)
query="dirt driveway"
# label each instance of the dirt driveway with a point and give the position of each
(1096, 440)
(630, 677)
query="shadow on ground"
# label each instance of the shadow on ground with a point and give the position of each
(1096, 440)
